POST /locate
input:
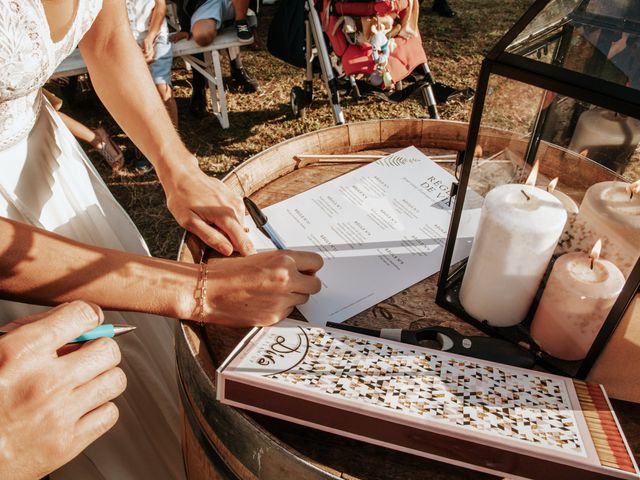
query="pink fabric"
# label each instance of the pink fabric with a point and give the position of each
(356, 59)
(368, 9)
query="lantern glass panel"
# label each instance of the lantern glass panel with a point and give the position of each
(520, 125)
(597, 38)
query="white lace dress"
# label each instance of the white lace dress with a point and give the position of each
(47, 180)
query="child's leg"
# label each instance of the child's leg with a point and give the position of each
(167, 97)
(206, 21)
(161, 74)
(241, 7)
(204, 31)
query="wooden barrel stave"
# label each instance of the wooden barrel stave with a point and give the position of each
(247, 453)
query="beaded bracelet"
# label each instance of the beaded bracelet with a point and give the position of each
(200, 293)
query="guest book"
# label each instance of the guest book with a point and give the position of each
(485, 416)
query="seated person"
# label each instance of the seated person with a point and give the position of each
(203, 19)
(149, 26)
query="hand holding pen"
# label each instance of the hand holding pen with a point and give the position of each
(52, 405)
(274, 281)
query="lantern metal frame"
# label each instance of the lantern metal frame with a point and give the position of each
(570, 83)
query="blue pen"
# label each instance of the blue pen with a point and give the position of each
(262, 222)
(106, 330)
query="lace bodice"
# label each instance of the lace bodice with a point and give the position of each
(28, 57)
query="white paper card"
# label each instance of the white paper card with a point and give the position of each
(380, 228)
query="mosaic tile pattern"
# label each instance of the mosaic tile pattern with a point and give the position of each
(527, 407)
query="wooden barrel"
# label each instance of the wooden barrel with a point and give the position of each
(221, 442)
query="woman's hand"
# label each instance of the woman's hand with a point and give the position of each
(176, 37)
(196, 201)
(261, 289)
(207, 208)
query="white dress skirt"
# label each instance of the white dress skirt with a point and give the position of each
(47, 180)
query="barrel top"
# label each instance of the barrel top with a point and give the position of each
(274, 175)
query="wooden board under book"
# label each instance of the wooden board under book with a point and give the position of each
(490, 417)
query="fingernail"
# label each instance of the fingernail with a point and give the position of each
(225, 249)
(98, 311)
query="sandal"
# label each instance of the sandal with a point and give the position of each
(108, 149)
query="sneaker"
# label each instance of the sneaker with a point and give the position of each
(137, 162)
(244, 31)
(442, 8)
(244, 79)
(143, 166)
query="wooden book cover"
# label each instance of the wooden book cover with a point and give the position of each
(485, 416)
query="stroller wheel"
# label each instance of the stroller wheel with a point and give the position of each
(298, 102)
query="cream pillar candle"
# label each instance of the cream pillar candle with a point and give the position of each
(575, 303)
(519, 228)
(611, 211)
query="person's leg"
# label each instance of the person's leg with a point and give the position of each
(243, 30)
(241, 76)
(204, 31)
(169, 101)
(161, 73)
(442, 8)
(241, 7)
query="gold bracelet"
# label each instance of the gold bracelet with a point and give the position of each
(200, 294)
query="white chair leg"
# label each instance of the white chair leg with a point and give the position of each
(216, 87)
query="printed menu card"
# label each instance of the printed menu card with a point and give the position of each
(380, 228)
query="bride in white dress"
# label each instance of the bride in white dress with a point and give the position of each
(46, 181)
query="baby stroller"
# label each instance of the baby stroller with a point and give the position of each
(375, 46)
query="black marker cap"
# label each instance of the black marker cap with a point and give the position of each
(256, 214)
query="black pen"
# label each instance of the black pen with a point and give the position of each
(485, 348)
(262, 222)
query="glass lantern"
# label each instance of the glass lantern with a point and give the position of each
(549, 182)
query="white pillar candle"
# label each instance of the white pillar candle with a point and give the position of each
(611, 211)
(575, 304)
(564, 245)
(519, 228)
(567, 202)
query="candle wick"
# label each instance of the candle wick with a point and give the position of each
(592, 261)
(525, 194)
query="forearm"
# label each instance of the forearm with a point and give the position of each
(157, 18)
(44, 268)
(121, 78)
